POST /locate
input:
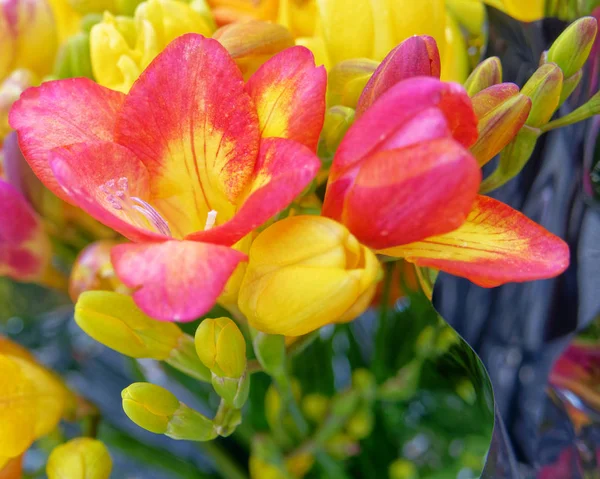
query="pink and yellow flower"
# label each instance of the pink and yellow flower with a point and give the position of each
(190, 161)
(405, 184)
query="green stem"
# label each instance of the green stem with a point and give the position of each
(589, 109)
(284, 385)
(223, 462)
(380, 350)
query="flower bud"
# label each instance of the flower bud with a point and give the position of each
(28, 36)
(10, 90)
(114, 320)
(251, 44)
(572, 48)
(81, 458)
(341, 446)
(485, 75)
(403, 469)
(315, 407)
(73, 58)
(347, 80)
(501, 111)
(569, 85)
(221, 347)
(544, 88)
(157, 410)
(293, 286)
(512, 160)
(93, 271)
(270, 352)
(415, 56)
(360, 425)
(337, 121)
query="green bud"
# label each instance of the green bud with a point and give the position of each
(404, 385)
(347, 80)
(544, 88)
(73, 59)
(270, 352)
(364, 381)
(360, 425)
(338, 119)
(227, 420)
(486, 74)
(315, 407)
(114, 320)
(234, 391)
(221, 347)
(501, 111)
(341, 446)
(344, 404)
(403, 469)
(512, 160)
(569, 85)
(157, 410)
(572, 48)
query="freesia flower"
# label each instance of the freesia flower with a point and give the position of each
(24, 244)
(405, 184)
(185, 165)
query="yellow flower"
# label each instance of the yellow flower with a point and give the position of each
(32, 400)
(305, 272)
(526, 11)
(122, 47)
(81, 458)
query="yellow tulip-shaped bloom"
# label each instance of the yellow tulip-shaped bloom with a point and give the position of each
(32, 400)
(305, 272)
(122, 47)
(526, 11)
(81, 458)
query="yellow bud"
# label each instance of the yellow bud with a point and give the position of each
(28, 36)
(299, 464)
(341, 446)
(360, 425)
(115, 62)
(293, 286)
(273, 406)
(486, 74)
(221, 347)
(252, 43)
(403, 469)
(157, 410)
(114, 320)
(81, 458)
(347, 81)
(149, 406)
(315, 407)
(261, 469)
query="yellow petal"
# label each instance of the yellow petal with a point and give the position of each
(81, 458)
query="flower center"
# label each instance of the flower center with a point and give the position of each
(137, 210)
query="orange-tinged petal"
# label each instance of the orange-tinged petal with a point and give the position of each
(289, 93)
(402, 196)
(60, 113)
(11, 468)
(415, 56)
(496, 245)
(175, 280)
(106, 180)
(283, 170)
(191, 123)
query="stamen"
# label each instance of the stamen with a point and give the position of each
(117, 195)
(152, 215)
(210, 220)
